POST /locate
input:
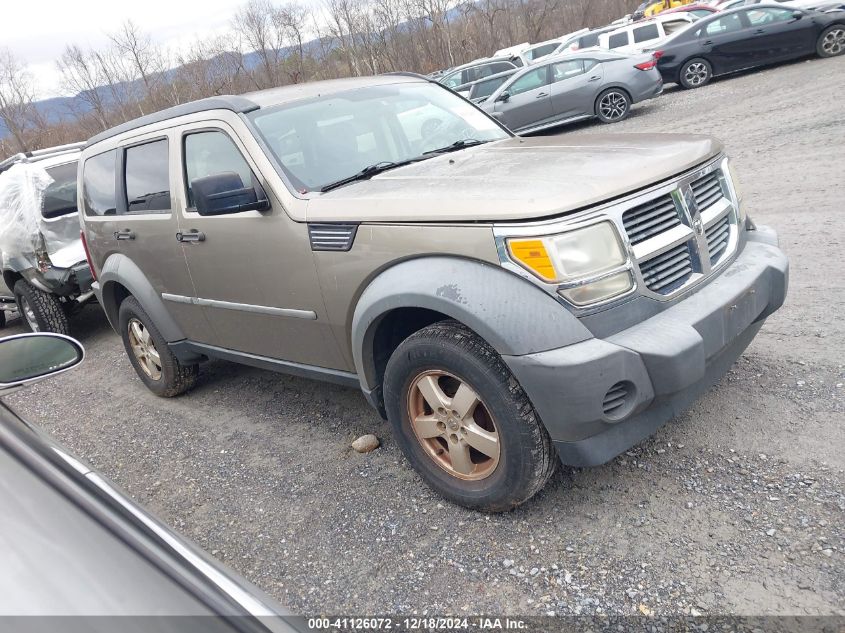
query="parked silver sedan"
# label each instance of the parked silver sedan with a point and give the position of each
(572, 87)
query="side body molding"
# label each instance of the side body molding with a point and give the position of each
(507, 311)
(119, 269)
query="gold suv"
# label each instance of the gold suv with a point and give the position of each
(505, 302)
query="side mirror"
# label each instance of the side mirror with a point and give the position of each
(224, 193)
(28, 358)
(797, 15)
(504, 96)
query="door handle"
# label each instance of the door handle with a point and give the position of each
(191, 236)
(759, 32)
(541, 95)
(595, 78)
(125, 234)
(708, 43)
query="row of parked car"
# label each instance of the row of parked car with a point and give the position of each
(602, 72)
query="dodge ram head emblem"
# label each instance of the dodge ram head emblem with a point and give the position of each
(696, 224)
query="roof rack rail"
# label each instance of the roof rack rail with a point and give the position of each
(39, 154)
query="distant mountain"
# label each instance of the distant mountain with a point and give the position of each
(56, 109)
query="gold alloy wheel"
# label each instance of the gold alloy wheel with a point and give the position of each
(144, 349)
(453, 425)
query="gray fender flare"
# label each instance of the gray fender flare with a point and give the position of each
(120, 269)
(509, 312)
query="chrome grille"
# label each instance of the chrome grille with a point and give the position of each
(650, 219)
(332, 237)
(676, 234)
(707, 190)
(718, 236)
(669, 270)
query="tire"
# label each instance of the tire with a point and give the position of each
(831, 42)
(165, 377)
(695, 73)
(613, 105)
(2, 319)
(448, 354)
(40, 311)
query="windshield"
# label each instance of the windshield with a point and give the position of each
(320, 141)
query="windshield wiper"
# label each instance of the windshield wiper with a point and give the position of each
(461, 144)
(367, 172)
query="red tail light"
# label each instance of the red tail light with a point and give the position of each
(88, 255)
(646, 65)
(657, 55)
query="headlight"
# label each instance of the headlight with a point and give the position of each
(737, 191)
(588, 263)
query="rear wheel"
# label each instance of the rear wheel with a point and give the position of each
(831, 42)
(40, 311)
(464, 422)
(695, 73)
(613, 105)
(150, 355)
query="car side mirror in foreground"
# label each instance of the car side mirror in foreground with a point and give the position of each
(504, 96)
(224, 193)
(797, 15)
(27, 358)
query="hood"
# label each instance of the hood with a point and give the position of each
(515, 179)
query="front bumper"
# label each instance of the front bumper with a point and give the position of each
(661, 365)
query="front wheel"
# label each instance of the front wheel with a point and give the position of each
(613, 105)
(41, 311)
(150, 355)
(464, 422)
(831, 42)
(695, 73)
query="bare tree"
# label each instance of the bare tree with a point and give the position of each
(18, 111)
(291, 21)
(141, 59)
(291, 43)
(81, 76)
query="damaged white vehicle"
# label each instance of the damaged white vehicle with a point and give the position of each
(45, 272)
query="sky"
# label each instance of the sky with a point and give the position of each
(37, 31)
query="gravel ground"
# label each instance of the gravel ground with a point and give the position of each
(737, 507)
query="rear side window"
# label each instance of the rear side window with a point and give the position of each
(542, 51)
(531, 80)
(98, 176)
(211, 153)
(618, 39)
(567, 69)
(60, 195)
(645, 33)
(726, 24)
(590, 39)
(148, 178)
(500, 67)
(481, 72)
